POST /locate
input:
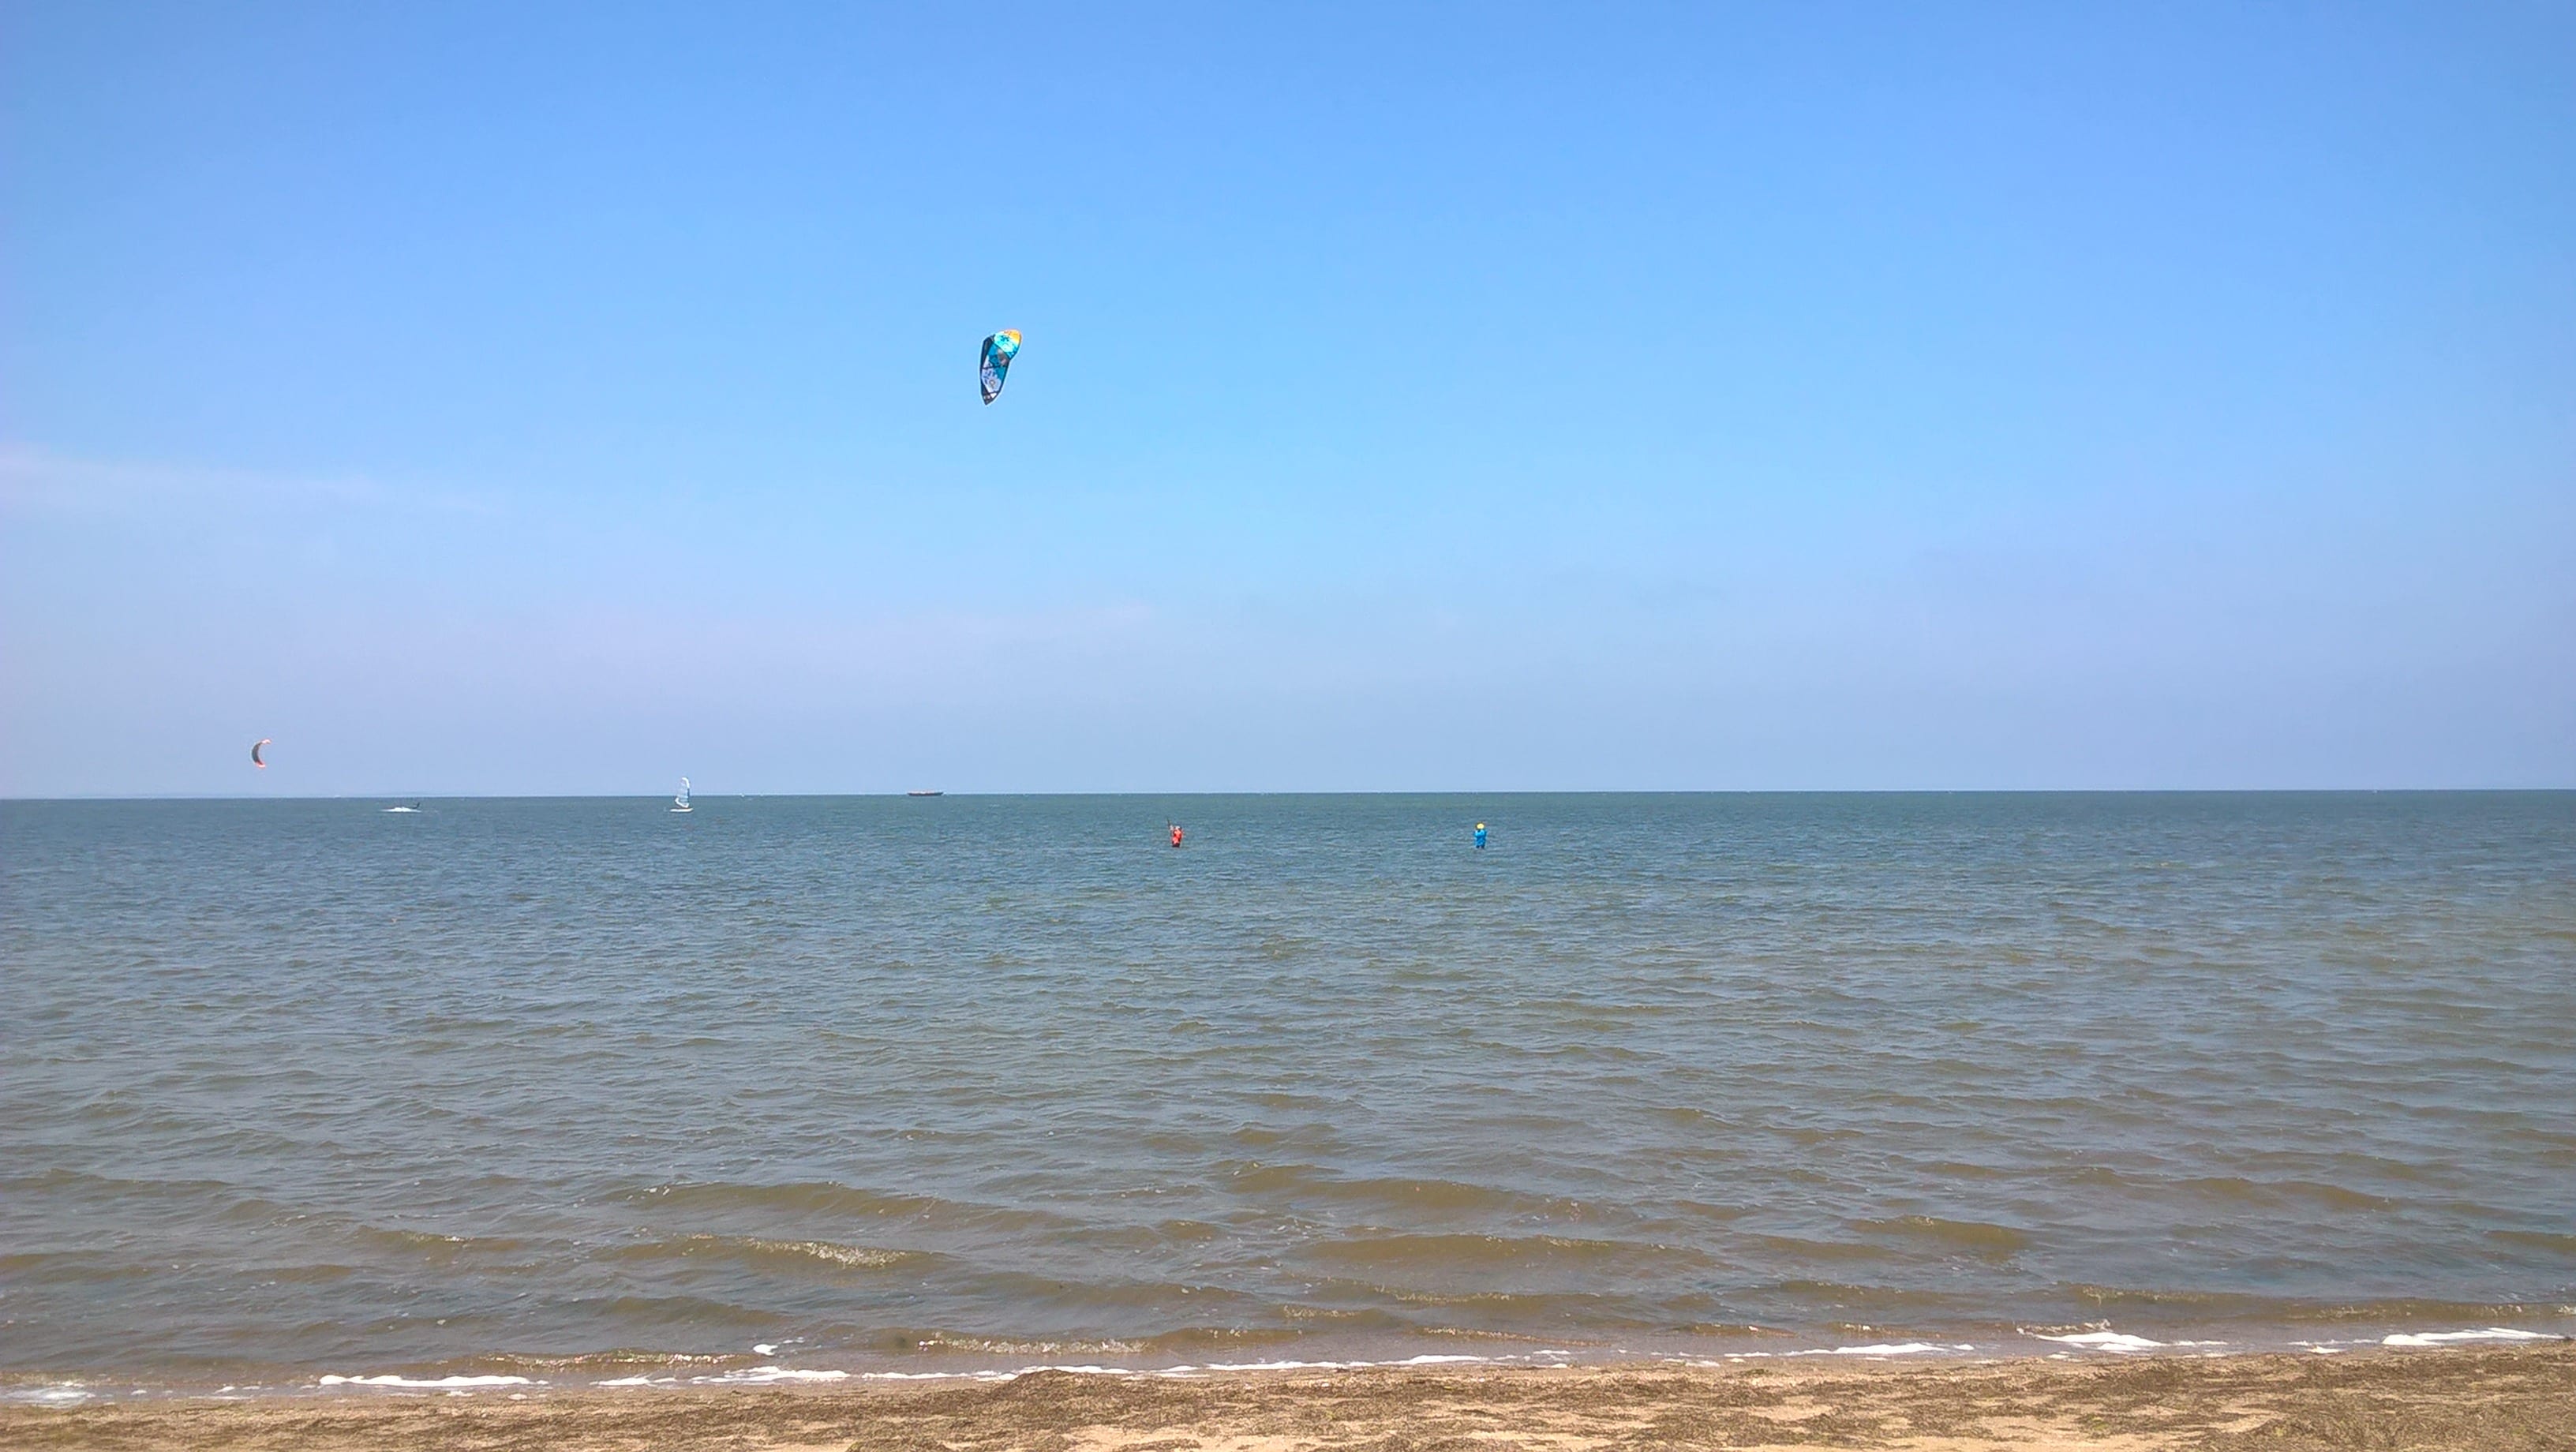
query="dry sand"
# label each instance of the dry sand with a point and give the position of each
(2504, 1400)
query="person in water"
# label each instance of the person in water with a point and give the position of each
(1176, 834)
(1480, 836)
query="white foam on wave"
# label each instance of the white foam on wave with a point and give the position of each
(760, 1375)
(2438, 1338)
(774, 1375)
(57, 1394)
(442, 1383)
(1450, 1360)
(2106, 1341)
(2115, 1342)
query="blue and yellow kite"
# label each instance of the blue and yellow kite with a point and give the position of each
(995, 364)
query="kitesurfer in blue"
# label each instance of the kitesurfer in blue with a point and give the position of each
(1480, 836)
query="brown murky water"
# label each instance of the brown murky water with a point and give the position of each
(883, 1085)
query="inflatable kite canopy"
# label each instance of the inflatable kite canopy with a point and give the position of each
(994, 363)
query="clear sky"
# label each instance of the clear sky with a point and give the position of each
(528, 399)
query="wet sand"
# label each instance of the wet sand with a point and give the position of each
(2504, 1400)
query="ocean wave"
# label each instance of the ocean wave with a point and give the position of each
(1470, 1310)
(811, 1198)
(759, 1251)
(2235, 1190)
(956, 1342)
(1796, 1247)
(2201, 1306)
(1297, 1183)
(2444, 1338)
(435, 1248)
(425, 1383)
(73, 1266)
(1286, 1364)
(2107, 1341)
(769, 1375)
(2554, 1243)
(1824, 1297)
(679, 1317)
(1121, 1360)
(1150, 1238)
(773, 1375)
(1974, 1237)
(50, 1394)
(1476, 1253)
(1194, 1339)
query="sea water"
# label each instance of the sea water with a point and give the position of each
(802, 1086)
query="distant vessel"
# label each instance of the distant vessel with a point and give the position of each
(414, 807)
(680, 803)
(922, 794)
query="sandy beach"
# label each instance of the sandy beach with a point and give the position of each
(2498, 1400)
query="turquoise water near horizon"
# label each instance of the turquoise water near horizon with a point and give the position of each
(295, 1087)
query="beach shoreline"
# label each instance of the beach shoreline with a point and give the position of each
(2521, 1396)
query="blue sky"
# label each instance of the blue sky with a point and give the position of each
(479, 400)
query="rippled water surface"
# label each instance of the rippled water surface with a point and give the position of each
(886, 1083)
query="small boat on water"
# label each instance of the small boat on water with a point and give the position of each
(924, 794)
(680, 803)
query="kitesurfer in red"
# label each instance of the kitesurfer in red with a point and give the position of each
(1176, 834)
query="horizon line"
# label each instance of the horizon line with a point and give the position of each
(423, 796)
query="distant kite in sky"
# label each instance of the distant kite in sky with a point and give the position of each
(995, 363)
(254, 753)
